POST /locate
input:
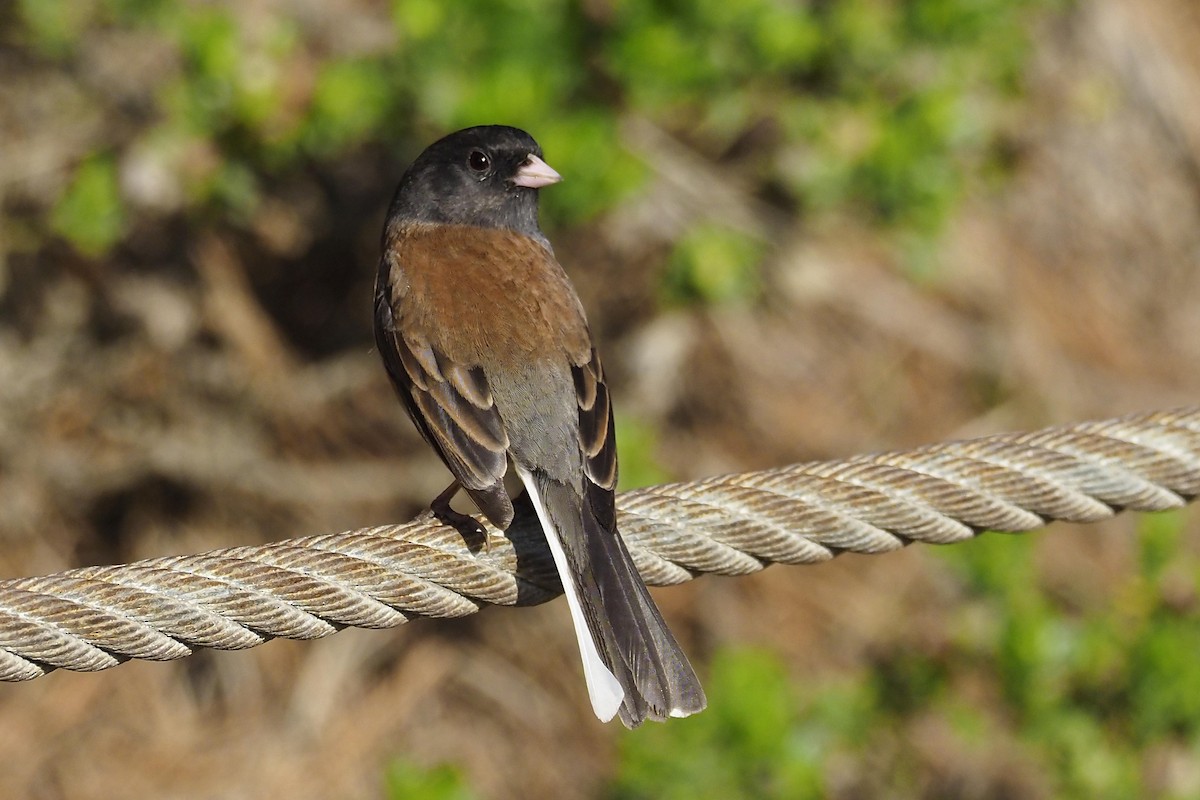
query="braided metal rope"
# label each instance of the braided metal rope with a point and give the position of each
(96, 617)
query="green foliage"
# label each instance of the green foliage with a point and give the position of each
(886, 106)
(638, 465)
(752, 741)
(881, 108)
(405, 781)
(713, 265)
(1164, 673)
(55, 26)
(90, 213)
(1084, 696)
(674, 57)
(1093, 693)
(349, 105)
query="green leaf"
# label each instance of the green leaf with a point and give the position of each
(349, 103)
(713, 265)
(90, 214)
(636, 442)
(751, 742)
(405, 781)
(55, 26)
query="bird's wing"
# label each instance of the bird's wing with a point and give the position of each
(597, 438)
(452, 407)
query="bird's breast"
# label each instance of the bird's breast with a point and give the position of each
(486, 297)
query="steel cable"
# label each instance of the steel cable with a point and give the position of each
(94, 618)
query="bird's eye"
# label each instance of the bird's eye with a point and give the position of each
(478, 161)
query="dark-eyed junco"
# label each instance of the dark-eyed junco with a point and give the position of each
(486, 343)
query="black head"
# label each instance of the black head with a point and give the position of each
(487, 176)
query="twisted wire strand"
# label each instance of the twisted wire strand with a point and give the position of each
(94, 618)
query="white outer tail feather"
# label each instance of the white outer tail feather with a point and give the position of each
(603, 688)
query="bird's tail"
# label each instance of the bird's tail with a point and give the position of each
(632, 663)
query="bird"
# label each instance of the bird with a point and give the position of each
(487, 345)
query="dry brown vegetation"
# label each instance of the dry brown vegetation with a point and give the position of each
(207, 388)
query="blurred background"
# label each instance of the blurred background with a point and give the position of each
(803, 229)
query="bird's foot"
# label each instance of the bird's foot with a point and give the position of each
(473, 533)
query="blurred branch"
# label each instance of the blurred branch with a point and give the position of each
(233, 311)
(689, 188)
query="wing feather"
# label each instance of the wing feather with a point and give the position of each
(452, 407)
(597, 434)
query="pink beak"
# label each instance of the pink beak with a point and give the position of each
(535, 173)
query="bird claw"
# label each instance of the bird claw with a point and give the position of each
(473, 533)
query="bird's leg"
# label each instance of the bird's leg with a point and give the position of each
(465, 524)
